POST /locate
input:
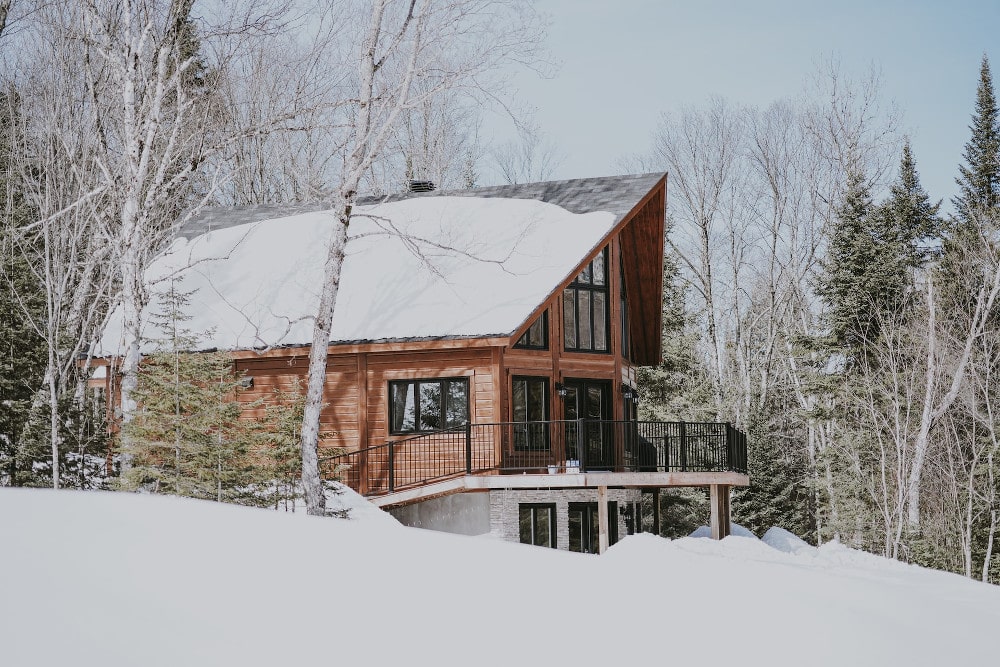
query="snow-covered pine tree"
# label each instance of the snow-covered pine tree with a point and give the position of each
(187, 437)
(22, 302)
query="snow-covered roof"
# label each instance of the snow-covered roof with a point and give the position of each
(464, 264)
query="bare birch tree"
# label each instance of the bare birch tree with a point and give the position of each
(447, 44)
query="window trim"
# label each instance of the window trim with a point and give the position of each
(416, 382)
(591, 288)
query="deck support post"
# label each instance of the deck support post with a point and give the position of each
(719, 501)
(602, 519)
(656, 511)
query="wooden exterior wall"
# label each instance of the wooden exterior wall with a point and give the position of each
(356, 411)
(637, 246)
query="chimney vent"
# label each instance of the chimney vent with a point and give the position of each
(421, 186)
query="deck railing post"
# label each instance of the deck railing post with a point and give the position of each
(392, 468)
(683, 436)
(581, 424)
(468, 449)
(730, 448)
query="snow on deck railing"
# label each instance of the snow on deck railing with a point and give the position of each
(541, 447)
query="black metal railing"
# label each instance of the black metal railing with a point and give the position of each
(541, 447)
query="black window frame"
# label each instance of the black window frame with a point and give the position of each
(534, 438)
(584, 283)
(626, 329)
(531, 333)
(588, 541)
(533, 510)
(442, 407)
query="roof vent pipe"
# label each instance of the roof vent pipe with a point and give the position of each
(421, 186)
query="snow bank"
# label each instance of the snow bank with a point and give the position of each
(735, 529)
(422, 267)
(786, 541)
(124, 579)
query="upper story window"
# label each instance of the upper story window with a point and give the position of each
(537, 335)
(585, 308)
(419, 406)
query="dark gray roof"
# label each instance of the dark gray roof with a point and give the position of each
(615, 194)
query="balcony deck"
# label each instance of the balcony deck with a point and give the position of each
(550, 454)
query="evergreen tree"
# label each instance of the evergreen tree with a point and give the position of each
(979, 177)
(911, 221)
(187, 437)
(279, 453)
(977, 207)
(23, 352)
(850, 269)
(22, 302)
(874, 250)
(678, 388)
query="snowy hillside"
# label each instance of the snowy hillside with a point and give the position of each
(116, 579)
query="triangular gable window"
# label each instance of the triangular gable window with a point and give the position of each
(537, 335)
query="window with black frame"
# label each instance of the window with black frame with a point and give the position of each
(585, 309)
(537, 335)
(530, 407)
(421, 406)
(537, 524)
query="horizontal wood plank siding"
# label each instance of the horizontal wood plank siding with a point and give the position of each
(472, 363)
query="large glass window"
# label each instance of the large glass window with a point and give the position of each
(417, 406)
(585, 308)
(537, 524)
(537, 335)
(530, 407)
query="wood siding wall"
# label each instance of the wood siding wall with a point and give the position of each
(357, 410)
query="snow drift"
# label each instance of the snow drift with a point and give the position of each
(124, 579)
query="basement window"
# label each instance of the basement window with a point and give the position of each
(537, 524)
(422, 406)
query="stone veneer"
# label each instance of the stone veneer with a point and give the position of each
(504, 509)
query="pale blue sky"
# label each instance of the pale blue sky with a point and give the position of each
(623, 63)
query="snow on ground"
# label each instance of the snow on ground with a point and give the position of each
(422, 267)
(124, 579)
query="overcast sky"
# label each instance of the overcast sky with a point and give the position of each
(625, 62)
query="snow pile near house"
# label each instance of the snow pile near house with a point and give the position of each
(422, 267)
(123, 579)
(734, 529)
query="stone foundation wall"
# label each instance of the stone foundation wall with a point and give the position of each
(504, 509)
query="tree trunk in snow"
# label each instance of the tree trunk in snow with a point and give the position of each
(312, 484)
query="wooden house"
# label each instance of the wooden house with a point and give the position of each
(482, 368)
